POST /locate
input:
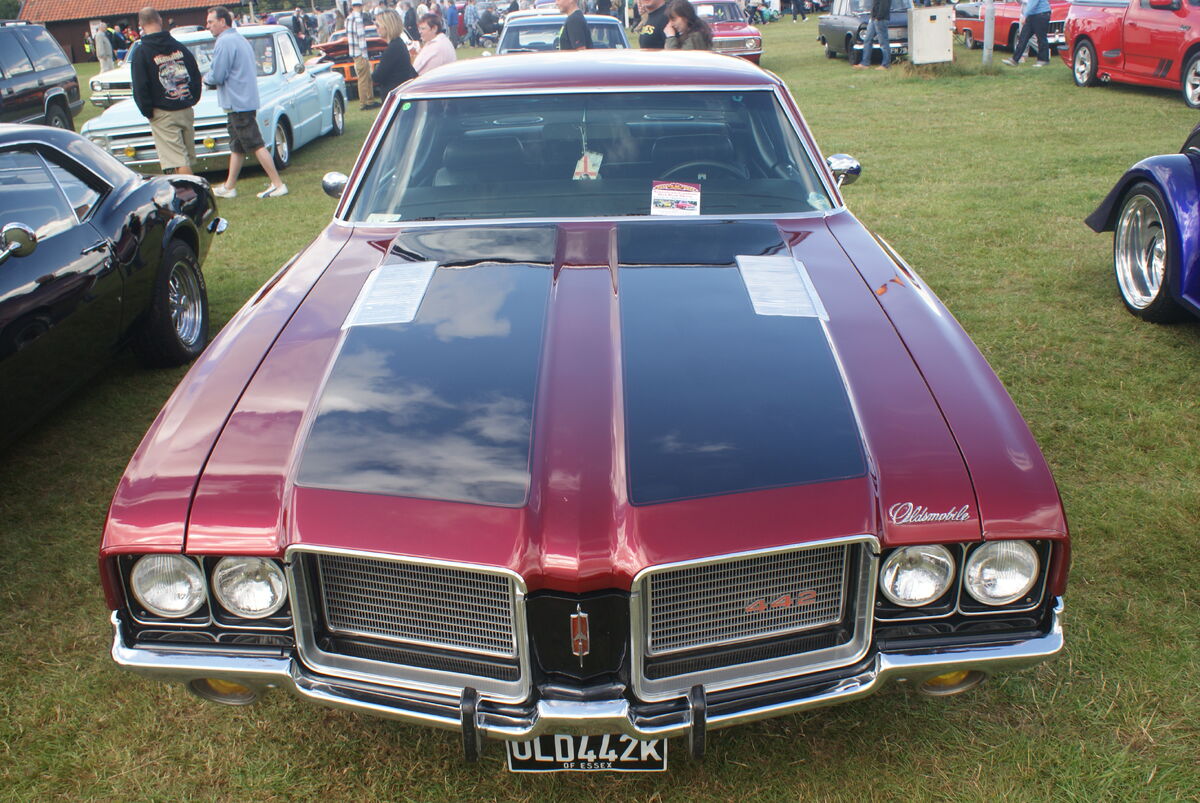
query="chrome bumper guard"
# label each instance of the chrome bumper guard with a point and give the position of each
(464, 712)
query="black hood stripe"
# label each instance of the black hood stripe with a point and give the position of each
(721, 400)
(442, 407)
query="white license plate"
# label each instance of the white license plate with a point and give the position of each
(569, 753)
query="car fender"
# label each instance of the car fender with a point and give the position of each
(54, 94)
(1175, 176)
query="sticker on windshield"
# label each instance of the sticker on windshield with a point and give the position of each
(674, 198)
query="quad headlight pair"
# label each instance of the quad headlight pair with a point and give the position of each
(173, 586)
(997, 573)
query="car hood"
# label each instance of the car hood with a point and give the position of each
(579, 401)
(733, 29)
(117, 75)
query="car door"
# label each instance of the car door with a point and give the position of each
(1154, 39)
(302, 92)
(60, 306)
(20, 100)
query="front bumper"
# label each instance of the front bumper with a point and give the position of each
(559, 713)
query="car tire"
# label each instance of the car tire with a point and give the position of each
(58, 117)
(830, 53)
(1189, 81)
(968, 39)
(1144, 255)
(1083, 64)
(281, 149)
(176, 329)
(850, 55)
(339, 116)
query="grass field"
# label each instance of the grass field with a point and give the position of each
(981, 180)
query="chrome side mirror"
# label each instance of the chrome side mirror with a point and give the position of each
(846, 169)
(19, 241)
(334, 184)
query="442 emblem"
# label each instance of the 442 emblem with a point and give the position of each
(799, 599)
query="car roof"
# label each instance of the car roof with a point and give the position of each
(584, 70)
(244, 30)
(542, 19)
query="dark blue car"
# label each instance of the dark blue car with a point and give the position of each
(1152, 212)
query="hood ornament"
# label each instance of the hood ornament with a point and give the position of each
(581, 639)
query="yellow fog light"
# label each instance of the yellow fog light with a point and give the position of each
(952, 682)
(223, 691)
(130, 151)
(210, 143)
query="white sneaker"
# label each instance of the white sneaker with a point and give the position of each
(221, 192)
(1041, 64)
(273, 191)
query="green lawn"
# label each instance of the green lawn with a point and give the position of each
(981, 181)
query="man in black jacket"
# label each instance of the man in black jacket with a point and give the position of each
(166, 85)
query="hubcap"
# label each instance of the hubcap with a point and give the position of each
(1191, 83)
(183, 299)
(1140, 254)
(281, 144)
(339, 116)
(1083, 66)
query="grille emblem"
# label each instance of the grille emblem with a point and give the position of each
(799, 599)
(581, 639)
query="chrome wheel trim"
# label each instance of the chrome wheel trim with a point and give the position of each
(1083, 65)
(339, 115)
(184, 302)
(281, 144)
(1140, 252)
(968, 39)
(1191, 83)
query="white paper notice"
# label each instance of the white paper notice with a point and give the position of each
(392, 294)
(780, 285)
(674, 198)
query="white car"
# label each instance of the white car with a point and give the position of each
(298, 103)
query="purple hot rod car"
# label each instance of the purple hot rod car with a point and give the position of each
(1156, 234)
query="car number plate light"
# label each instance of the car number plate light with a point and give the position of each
(571, 753)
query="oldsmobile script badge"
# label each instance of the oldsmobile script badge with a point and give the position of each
(908, 513)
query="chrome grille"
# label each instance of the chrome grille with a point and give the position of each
(428, 605)
(746, 598)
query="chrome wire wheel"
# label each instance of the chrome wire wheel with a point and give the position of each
(185, 305)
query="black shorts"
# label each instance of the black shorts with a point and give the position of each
(244, 136)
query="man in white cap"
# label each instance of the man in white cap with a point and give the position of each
(356, 40)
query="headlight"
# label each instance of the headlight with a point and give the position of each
(99, 142)
(753, 44)
(1001, 572)
(916, 575)
(168, 585)
(249, 587)
(95, 86)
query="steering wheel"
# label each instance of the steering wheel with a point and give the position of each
(701, 165)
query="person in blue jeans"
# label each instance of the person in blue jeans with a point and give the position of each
(877, 26)
(1036, 23)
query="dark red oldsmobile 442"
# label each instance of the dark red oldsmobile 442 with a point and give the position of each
(593, 419)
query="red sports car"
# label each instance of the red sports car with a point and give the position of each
(592, 419)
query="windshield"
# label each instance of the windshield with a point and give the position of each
(586, 155)
(543, 35)
(721, 12)
(264, 53)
